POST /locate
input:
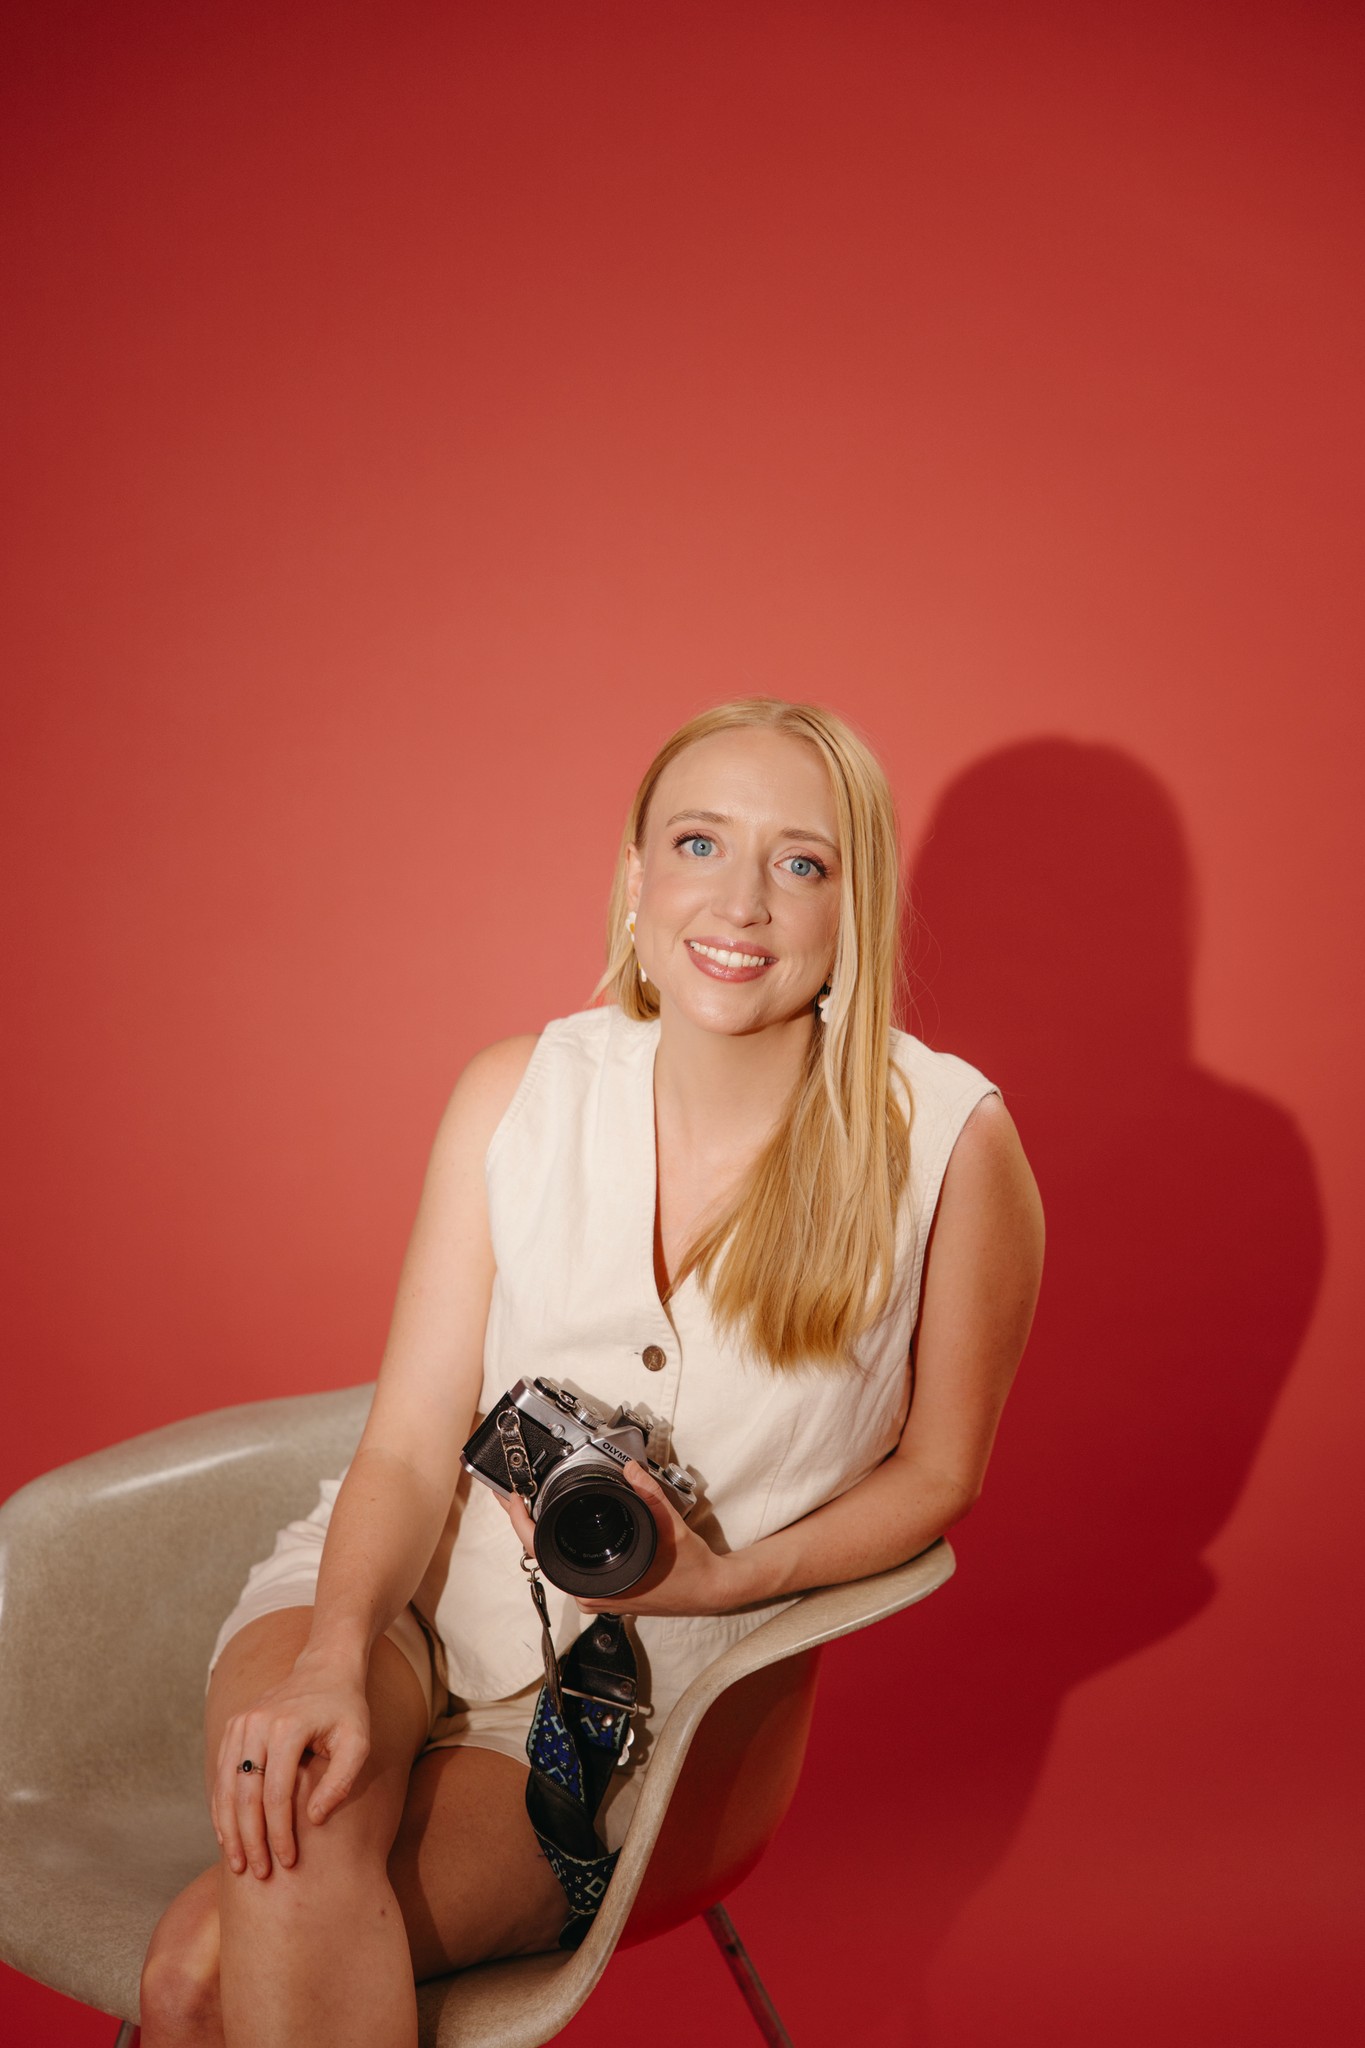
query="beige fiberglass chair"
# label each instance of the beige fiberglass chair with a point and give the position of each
(114, 1571)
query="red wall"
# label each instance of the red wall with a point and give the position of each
(416, 411)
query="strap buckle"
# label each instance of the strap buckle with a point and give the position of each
(595, 1699)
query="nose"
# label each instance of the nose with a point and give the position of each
(743, 894)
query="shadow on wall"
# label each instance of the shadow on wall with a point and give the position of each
(1185, 1247)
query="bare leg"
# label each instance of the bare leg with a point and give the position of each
(316, 1953)
(465, 1869)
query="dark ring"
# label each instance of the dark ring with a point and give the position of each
(247, 1766)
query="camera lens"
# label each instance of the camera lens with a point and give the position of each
(593, 1530)
(594, 1534)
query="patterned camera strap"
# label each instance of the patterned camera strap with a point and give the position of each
(580, 1730)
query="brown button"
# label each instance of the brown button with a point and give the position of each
(655, 1358)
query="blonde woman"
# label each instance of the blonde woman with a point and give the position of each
(733, 1194)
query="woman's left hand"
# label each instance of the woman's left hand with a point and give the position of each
(686, 1577)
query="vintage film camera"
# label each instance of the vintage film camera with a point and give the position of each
(563, 1455)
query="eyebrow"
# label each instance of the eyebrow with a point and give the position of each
(784, 831)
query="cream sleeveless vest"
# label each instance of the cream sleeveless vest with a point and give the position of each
(572, 1185)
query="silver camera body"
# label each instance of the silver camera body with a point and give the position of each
(564, 1456)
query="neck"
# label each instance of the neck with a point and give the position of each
(722, 1094)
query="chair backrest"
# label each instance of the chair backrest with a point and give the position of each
(147, 1543)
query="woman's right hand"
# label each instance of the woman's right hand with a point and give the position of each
(319, 1710)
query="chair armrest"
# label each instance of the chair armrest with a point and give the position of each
(518, 2004)
(812, 1618)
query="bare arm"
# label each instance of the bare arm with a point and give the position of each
(396, 1495)
(393, 1503)
(980, 1285)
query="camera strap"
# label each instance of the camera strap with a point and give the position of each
(580, 1730)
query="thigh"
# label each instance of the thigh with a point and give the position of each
(468, 1871)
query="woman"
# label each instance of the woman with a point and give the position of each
(733, 1194)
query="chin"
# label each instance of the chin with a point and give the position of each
(730, 1019)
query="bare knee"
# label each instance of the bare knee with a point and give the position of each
(341, 1853)
(179, 1996)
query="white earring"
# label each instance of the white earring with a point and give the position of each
(823, 1001)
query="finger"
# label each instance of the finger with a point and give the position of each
(521, 1521)
(248, 1801)
(225, 1797)
(286, 1747)
(343, 1768)
(644, 1485)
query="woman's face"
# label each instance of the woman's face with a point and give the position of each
(740, 856)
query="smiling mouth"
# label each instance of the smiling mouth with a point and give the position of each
(725, 958)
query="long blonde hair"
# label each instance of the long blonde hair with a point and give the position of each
(809, 1242)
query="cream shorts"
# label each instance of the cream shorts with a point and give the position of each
(488, 1724)
(288, 1578)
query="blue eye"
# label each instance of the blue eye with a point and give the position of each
(694, 839)
(805, 864)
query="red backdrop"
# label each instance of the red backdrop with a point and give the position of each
(416, 411)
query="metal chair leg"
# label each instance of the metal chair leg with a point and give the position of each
(128, 2035)
(747, 1977)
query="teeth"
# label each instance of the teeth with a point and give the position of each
(724, 959)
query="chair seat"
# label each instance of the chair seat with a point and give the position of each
(516, 2004)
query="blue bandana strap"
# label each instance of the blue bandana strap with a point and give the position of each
(575, 1742)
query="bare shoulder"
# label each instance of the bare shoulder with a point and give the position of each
(494, 1074)
(485, 1088)
(989, 1151)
